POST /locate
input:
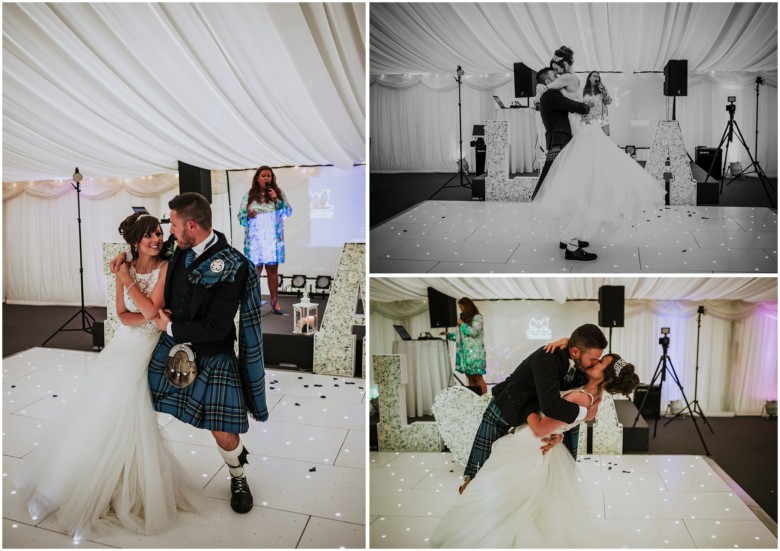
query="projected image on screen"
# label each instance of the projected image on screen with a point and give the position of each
(336, 205)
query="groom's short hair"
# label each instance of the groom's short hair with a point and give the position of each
(541, 76)
(588, 336)
(192, 206)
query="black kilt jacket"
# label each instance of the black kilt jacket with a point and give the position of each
(555, 108)
(536, 384)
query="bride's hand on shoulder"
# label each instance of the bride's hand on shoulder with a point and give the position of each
(560, 344)
(117, 261)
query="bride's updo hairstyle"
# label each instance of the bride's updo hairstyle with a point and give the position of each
(620, 376)
(564, 53)
(134, 227)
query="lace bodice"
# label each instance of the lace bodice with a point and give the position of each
(566, 427)
(146, 283)
(574, 118)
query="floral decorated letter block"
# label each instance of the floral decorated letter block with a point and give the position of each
(668, 141)
(498, 185)
(393, 431)
(334, 343)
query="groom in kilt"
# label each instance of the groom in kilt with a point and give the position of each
(206, 283)
(535, 385)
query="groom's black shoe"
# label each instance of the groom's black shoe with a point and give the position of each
(240, 497)
(580, 244)
(580, 254)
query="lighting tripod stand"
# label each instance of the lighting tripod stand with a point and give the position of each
(694, 408)
(727, 138)
(460, 171)
(86, 318)
(665, 365)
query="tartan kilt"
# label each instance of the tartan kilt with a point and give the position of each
(492, 427)
(214, 401)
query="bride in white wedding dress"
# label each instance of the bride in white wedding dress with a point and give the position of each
(103, 460)
(593, 184)
(522, 498)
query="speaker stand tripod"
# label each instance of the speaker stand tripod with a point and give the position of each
(460, 171)
(665, 365)
(694, 408)
(87, 319)
(727, 138)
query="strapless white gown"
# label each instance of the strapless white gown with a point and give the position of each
(595, 182)
(103, 460)
(521, 498)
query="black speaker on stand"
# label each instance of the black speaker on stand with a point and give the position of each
(676, 81)
(612, 307)
(525, 81)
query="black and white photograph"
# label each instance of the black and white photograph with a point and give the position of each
(573, 137)
(184, 192)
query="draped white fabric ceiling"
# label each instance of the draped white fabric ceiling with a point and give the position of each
(562, 289)
(487, 38)
(127, 89)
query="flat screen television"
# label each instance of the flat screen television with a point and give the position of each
(442, 309)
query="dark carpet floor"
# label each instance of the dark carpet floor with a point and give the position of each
(392, 194)
(27, 326)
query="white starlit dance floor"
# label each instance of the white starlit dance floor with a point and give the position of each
(662, 501)
(493, 237)
(306, 466)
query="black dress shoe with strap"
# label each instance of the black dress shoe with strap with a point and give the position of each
(240, 497)
(580, 254)
(580, 244)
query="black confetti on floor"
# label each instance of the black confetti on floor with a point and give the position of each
(322, 396)
(300, 377)
(13, 386)
(53, 395)
(305, 386)
(297, 404)
(335, 385)
(349, 383)
(313, 470)
(317, 385)
(272, 388)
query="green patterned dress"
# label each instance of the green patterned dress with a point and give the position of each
(470, 349)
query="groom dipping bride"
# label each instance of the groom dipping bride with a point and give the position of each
(527, 489)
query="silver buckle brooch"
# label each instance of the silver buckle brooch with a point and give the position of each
(181, 369)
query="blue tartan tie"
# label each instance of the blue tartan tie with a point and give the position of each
(189, 256)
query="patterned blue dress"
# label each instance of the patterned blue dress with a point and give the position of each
(264, 236)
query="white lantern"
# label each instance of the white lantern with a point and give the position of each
(305, 315)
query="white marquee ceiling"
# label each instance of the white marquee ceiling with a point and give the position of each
(561, 289)
(127, 89)
(487, 38)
